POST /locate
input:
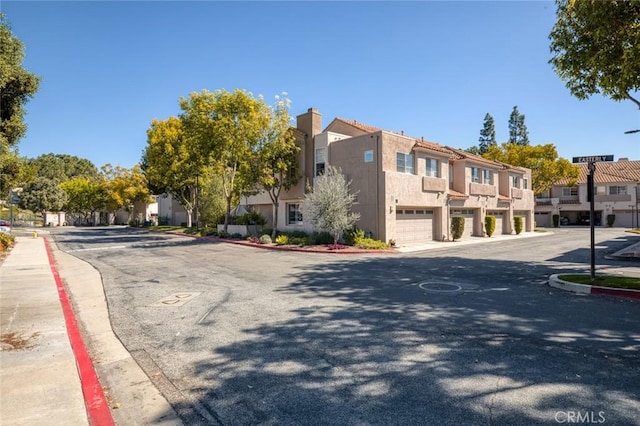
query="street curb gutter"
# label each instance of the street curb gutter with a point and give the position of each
(556, 282)
(133, 398)
(95, 401)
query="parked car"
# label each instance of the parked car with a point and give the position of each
(564, 220)
(5, 226)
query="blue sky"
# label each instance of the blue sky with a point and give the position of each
(431, 69)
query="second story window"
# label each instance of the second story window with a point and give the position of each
(525, 183)
(600, 190)
(320, 160)
(617, 190)
(475, 174)
(487, 177)
(432, 168)
(515, 181)
(570, 191)
(404, 162)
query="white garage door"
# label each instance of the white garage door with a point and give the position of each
(499, 222)
(468, 220)
(413, 226)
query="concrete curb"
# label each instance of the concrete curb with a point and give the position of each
(556, 282)
(133, 397)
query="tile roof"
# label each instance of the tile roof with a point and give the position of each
(359, 126)
(459, 154)
(610, 172)
(456, 194)
(433, 147)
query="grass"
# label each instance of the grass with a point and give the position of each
(539, 230)
(634, 231)
(604, 281)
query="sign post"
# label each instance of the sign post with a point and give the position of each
(591, 164)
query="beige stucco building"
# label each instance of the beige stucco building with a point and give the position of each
(616, 188)
(407, 189)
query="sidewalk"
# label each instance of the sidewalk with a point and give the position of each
(46, 374)
(39, 382)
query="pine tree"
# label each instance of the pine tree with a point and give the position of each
(518, 133)
(487, 134)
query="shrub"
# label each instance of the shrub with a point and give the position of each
(556, 220)
(489, 224)
(6, 241)
(265, 239)
(457, 227)
(281, 240)
(610, 219)
(296, 234)
(223, 234)
(352, 234)
(249, 218)
(321, 238)
(236, 235)
(370, 244)
(517, 224)
(299, 241)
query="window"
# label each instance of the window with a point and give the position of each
(368, 156)
(487, 177)
(545, 194)
(475, 174)
(600, 190)
(525, 183)
(320, 162)
(570, 191)
(617, 190)
(294, 214)
(432, 168)
(404, 162)
(515, 181)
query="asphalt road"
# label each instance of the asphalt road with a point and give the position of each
(463, 335)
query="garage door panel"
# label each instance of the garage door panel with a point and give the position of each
(414, 227)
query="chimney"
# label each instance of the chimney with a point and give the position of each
(623, 159)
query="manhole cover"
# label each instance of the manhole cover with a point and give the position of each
(176, 299)
(446, 287)
(440, 287)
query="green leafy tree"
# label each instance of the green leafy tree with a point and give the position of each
(17, 86)
(62, 167)
(595, 48)
(518, 133)
(14, 171)
(43, 195)
(328, 204)
(85, 197)
(278, 157)
(487, 134)
(226, 129)
(170, 163)
(546, 166)
(124, 187)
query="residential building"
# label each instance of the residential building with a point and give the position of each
(615, 190)
(407, 189)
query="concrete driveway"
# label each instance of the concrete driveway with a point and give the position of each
(449, 336)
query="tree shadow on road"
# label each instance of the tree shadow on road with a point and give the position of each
(413, 340)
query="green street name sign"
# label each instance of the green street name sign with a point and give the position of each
(593, 159)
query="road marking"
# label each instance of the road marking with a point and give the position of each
(176, 299)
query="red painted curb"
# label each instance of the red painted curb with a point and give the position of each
(94, 399)
(615, 292)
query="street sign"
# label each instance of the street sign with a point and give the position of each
(593, 159)
(15, 198)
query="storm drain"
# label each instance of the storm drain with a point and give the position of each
(176, 299)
